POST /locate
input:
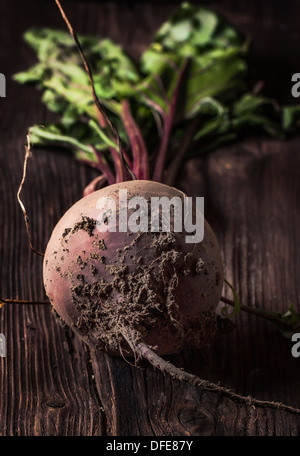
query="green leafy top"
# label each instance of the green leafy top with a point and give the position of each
(185, 96)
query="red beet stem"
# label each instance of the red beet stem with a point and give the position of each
(168, 125)
(138, 146)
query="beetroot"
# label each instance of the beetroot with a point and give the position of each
(117, 289)
(143, 294)
(135, 293)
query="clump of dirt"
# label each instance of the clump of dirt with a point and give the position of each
(66, 232)
(81, 263)
(93, 269)
(87, 224)
(100, 243)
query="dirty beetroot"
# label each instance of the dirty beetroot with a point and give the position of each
(120, 289)
(143, 294)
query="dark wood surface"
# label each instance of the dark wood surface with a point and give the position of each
(50, 382)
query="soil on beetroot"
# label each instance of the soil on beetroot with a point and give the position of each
(137, 296)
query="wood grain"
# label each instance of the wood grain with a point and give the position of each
(52, 384)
